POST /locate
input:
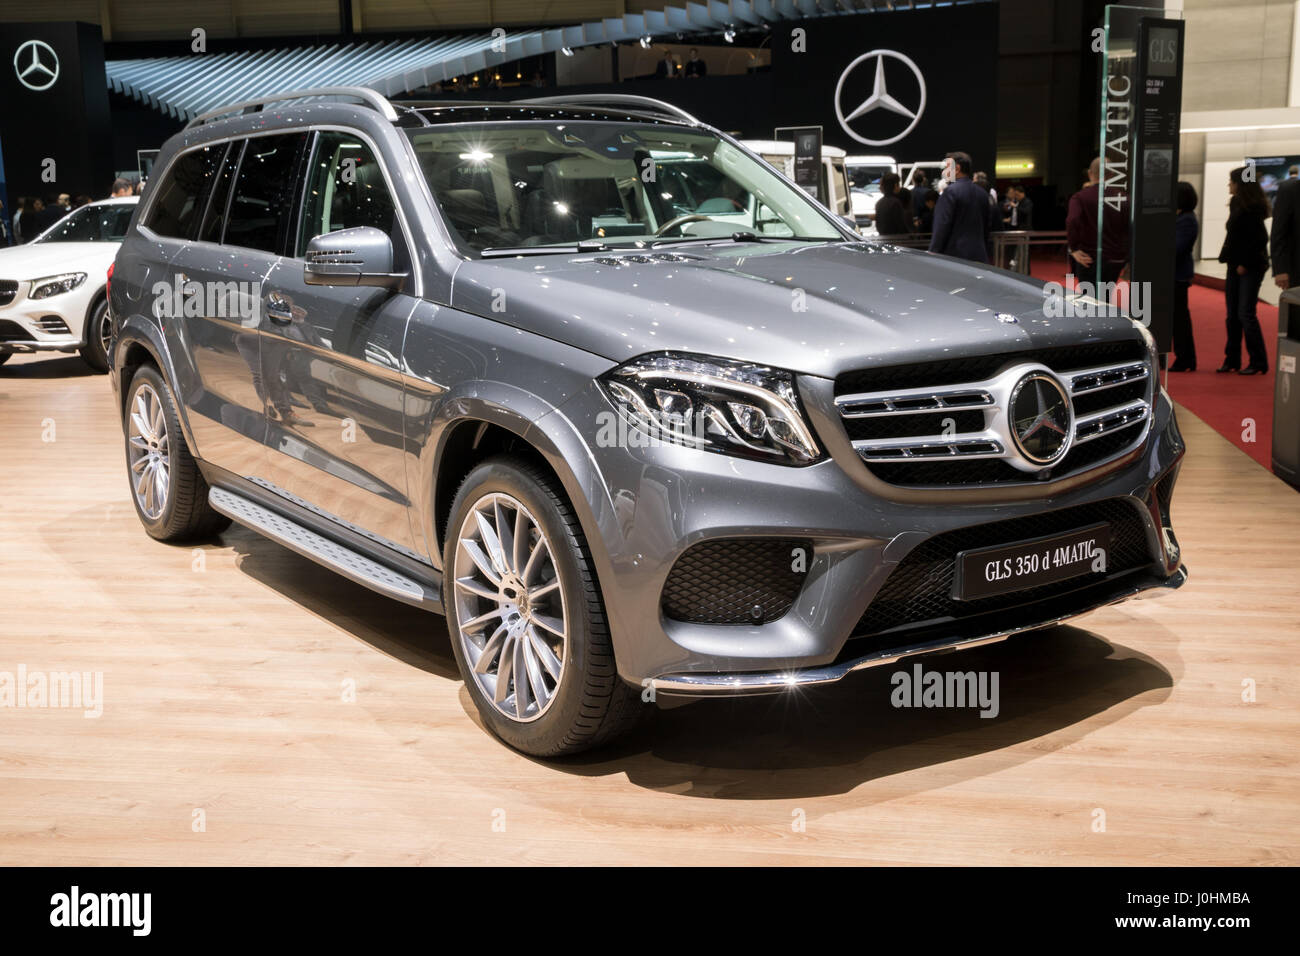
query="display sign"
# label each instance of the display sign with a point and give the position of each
(52, 83)
(808, 160)
(913, 84)
(1141, 101)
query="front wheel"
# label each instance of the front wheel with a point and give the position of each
(99, 329)
(168, 491)
(525, 614)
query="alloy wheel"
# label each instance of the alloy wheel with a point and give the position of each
(150, 456)
(510, 609)
(105, 331)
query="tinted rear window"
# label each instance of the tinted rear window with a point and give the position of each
(261, 207)
(176, 208)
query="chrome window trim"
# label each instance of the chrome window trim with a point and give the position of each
(147, 201)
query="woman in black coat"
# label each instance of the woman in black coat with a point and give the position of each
(1245, 252)
(1185, 231)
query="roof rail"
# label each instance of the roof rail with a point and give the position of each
(625, 100)
(365, 94)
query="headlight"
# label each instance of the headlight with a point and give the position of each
(56, 285)
(718, 405)
(1153, 353)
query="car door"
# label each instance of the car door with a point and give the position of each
(331, 356)
(203, 300)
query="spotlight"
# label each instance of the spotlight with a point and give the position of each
(729, 34)
(645, 42)
(566, 51)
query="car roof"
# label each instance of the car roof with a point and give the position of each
(437, 112)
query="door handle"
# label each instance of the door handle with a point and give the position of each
(279, 309)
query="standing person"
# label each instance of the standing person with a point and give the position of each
(1185, 232)
(961, 216)
(1245, 253)
(1285, 238)
(695, 67)
(1020, 214)
(121, 187)
(4, 226)
(1081, 230)
(891, 215)
(920, 185)
(20, 213)
(928, 200)
(667, 68)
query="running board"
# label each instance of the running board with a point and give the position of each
(337, 557)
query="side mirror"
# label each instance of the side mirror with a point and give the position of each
(850, 223)
(362, 255)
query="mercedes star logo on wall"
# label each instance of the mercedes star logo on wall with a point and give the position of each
(37, 65)
(868, 120)
(1041, 418)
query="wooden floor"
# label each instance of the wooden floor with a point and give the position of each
(225, 669)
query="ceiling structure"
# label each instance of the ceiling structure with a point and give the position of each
(185, 86)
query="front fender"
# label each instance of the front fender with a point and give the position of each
(138, 330)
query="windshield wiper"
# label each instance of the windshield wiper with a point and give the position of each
(741, 236)
(586, 245)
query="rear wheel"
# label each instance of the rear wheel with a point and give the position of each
(99, 329)
(168, 491)
(525, 614)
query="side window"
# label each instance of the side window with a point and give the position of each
(346, 188)
(214, 218)
(176, 208)
(261, 206)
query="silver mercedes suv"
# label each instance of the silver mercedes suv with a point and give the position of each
(632, 411)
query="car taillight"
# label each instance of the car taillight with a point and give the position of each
(108, 283)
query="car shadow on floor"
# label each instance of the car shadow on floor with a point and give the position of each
(1051, 685)
(414, 637)
(65, 366)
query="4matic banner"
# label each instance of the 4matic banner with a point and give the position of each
(912, 84)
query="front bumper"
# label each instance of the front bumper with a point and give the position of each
(57, 323)
(648, 506)
(773, 682)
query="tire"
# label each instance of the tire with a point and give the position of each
(95, 352)
(588, 704)
(167, 489)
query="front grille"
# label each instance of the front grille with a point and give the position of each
(736, 580)
(8, 289)
(943, 423)
(52, 325)
(918, 592)
(13, 332)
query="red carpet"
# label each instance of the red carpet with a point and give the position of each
(1228, 403)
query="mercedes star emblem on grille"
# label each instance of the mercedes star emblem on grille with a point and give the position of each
(1041, 418)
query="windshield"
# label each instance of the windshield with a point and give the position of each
(92, 224)
(516, 185)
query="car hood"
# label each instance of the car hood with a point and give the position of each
(37, 260)
(819, 309)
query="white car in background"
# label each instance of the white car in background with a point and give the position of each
(52, 290)
(865, 173)
(834, 179)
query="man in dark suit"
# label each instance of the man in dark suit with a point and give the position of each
(1021, 215)
(961, 216)
(1284, 243)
